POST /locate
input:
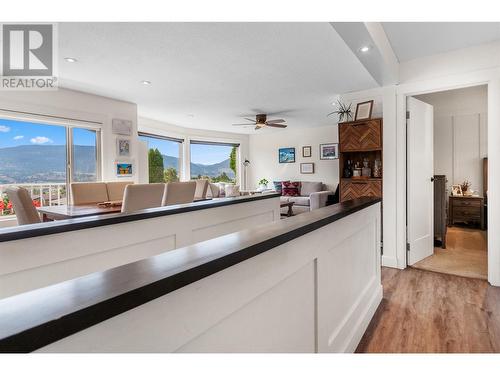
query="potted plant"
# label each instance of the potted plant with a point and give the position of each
(263, 184)
(465, 188)
(344, 111)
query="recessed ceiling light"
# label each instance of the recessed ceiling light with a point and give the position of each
(70, 59)
(146, 82)
(365, 49)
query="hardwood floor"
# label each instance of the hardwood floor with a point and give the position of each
(466, 254)
(427, 312)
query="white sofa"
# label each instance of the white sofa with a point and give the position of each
(313, 195)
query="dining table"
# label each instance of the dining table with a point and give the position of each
(70, 211)
(62, 212)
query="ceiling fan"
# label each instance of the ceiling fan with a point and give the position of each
(261, 121)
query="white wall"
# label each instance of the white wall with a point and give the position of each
(84, 107)
(460, 134)
(264, 155)
(162, 128)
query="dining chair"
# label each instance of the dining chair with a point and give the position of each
(201, 189)
(116, 189)
(141, 196)
(178, 193)
(88, 192)
(22, 203)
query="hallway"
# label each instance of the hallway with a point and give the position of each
(427, 312)
(466, 254)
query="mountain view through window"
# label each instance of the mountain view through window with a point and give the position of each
(215, 162)
(34, 156)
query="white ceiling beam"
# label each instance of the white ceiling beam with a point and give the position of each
(380, 60)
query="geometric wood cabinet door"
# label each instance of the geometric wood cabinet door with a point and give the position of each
(350, 189)
(363, 135)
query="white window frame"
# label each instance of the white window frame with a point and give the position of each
(68, 124)
(180, 140)
(221, 141)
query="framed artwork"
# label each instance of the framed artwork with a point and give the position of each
(364, 111)
(329, 151)
(456, 190)
(123, 169)
(287, 155)
(306, 151)
(307, 168)
(123, 147)
(121, 127)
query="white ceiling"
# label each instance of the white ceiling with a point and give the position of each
(411, 40)
(210, 75)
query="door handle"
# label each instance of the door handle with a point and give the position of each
(432, 179)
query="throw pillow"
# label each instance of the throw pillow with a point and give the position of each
(232, 190)
(290, 189)
(278, 186)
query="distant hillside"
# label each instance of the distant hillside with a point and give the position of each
(47, 163)
(210, 170)
(43, 163)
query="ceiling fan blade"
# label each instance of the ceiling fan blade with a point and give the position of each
(277, 121)
(277, 125)
(249, 119)
(243, 124)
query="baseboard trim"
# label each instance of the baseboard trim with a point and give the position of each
(389, 261)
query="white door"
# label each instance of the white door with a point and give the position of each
(420, 189)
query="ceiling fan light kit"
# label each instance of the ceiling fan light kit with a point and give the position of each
(261, 122)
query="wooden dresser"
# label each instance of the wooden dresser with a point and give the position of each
(360, 140)
(466, 210)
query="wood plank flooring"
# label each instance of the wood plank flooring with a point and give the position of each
(466, 254)
(427, 312)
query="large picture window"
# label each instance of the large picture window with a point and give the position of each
(163, 157)
(214, 161)
(44, 159)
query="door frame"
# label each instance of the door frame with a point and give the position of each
(490, 78)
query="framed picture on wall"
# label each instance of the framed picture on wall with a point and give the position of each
(123, 147)
(123, 169)
(329, 151)
(364, 111)
(306, 151)
(287, 155)
(307, 168)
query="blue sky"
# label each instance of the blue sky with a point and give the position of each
(200, 154)
(17, 133)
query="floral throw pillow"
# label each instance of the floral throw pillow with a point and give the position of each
(290, 189)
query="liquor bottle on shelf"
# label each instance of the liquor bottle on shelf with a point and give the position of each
(348, 169)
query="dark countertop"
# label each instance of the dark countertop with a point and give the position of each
(34, 319)
(61, 226)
